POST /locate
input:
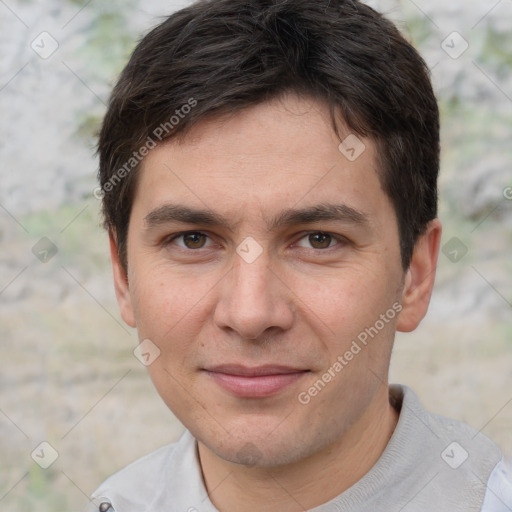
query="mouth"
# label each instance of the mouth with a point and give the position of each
(254, 382)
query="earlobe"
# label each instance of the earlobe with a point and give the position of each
(420, 277)
(121, 284)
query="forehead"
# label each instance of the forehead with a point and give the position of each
(275, 154)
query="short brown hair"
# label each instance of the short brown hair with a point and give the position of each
(221, 56)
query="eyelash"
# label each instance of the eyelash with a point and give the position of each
(338, 238)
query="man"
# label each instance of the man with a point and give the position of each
(269, 180)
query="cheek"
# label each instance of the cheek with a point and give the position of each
(344, 300)
(164, 302)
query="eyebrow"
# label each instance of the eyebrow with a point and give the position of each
(172, 213)
(318, 213)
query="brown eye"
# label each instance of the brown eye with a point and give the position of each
(320, 240)
(194, 240)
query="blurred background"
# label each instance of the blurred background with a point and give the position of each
(68, 376)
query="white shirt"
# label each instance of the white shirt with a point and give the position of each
(498, 497)
(430, 464)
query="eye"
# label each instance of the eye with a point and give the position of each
(318, 240)
(190, 240)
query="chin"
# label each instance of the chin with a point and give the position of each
(257, 449)
(261, 454)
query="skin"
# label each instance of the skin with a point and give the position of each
(300, 303)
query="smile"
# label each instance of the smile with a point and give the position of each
(257, 382)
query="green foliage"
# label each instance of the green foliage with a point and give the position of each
(108, 43)
(108, 40)
(88, 126)
(496, 52)
(418, 29)
(80, 239)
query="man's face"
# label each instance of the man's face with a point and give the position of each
(247, 326)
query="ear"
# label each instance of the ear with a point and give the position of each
(419, 279)
(121, 284)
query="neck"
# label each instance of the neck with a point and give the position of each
(307, 483)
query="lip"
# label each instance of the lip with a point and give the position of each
(254, 382)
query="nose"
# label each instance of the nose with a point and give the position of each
(253, 300)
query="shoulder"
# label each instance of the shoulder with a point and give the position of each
(458, 458)
(499, 489)
(136, 484)
(459, 436)
(169, 478)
